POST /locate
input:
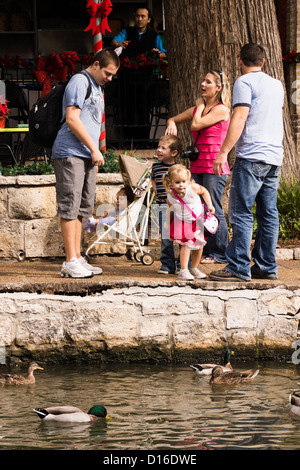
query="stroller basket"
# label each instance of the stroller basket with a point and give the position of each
(135, 174)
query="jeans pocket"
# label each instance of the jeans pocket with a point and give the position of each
(261, 169)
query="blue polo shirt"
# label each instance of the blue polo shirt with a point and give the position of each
(262, 136)
(92, 108)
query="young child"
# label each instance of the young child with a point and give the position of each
(183, 199)
(169, 147)
(125, 197)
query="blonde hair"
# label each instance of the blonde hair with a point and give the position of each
(172, 172)
(225, 92)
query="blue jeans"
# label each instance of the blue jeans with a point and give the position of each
(253, 182)
(216, 244)
(167, 256)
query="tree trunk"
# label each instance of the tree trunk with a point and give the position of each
(203, 35)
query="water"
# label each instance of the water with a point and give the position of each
(153, 407)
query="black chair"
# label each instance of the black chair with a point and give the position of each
(160, 104)
(7, 156)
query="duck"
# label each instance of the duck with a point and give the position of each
(15, 379)
(71, 414)
(232, 377)
(294, 400)
(206, 369)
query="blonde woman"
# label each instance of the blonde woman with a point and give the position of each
(209, 119)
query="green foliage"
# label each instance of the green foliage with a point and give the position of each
(41, 168)
(111, 164)
(288, 203)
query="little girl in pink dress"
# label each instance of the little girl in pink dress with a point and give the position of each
(184, 228)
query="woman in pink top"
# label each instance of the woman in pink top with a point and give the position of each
(210, 120)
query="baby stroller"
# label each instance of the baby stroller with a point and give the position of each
(135, 174)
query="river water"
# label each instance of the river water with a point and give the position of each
(153, 407)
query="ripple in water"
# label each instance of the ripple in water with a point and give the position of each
(153, 407)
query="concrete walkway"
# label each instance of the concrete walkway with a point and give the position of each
(43, 276)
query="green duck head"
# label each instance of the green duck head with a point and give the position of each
(98, 411)
(227, 355)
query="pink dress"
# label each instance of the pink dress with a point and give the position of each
(184, 229)
(209, 143)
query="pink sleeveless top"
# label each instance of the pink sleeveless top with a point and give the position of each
(209, 143)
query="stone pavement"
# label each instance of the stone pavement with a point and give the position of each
(43, 276)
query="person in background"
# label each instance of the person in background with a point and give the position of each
(209, 119)
(136, 83)
(256, 131)
(139, 38)
(125, 196)
(76, 155)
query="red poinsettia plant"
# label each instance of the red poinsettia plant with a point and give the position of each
(3, 106)
(70, 59)
(291, 56)
(144, 60)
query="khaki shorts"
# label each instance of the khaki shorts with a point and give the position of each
(75, 187)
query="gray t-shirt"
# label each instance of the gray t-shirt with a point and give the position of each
(92, 108)
(262, 136)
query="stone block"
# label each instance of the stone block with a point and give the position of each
(284, 254)
(43, 238)
(31, 202)
(3, 203)
(297, 253)
(39, 329)
(240, 313)
(11, 239)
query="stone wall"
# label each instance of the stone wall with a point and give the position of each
(140, 322)
(29, 225)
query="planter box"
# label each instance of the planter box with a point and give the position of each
(30, 227)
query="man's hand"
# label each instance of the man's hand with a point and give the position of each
(97, 157)
(218, 165)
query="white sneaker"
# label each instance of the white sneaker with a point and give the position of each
(185, 275)
(197, 273)
(75, 269)
(88, 266)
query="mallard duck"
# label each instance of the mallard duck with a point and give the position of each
(206, 369)
(294, 400)
(19, 379)
(71, 414)
(231, 377)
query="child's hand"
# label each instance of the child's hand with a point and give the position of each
(211, 209)
(166, 225)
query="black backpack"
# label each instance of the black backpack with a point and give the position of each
(45, 117)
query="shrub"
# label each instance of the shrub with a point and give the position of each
(288, 203)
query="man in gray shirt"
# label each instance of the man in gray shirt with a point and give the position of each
(76, 154)
(256, 130)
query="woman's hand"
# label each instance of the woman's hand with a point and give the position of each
(171, 128)
(200, 102)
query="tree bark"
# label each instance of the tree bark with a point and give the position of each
(203, 35)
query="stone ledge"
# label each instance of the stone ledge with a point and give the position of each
(141, 323)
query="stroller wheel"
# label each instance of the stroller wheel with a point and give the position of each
(147, 259)
(138, 256)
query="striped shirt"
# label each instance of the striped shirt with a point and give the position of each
(158, 170)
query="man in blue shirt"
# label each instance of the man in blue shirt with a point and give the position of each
(139, 38)
(256, 130)
(135, 84)
(76, 155)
